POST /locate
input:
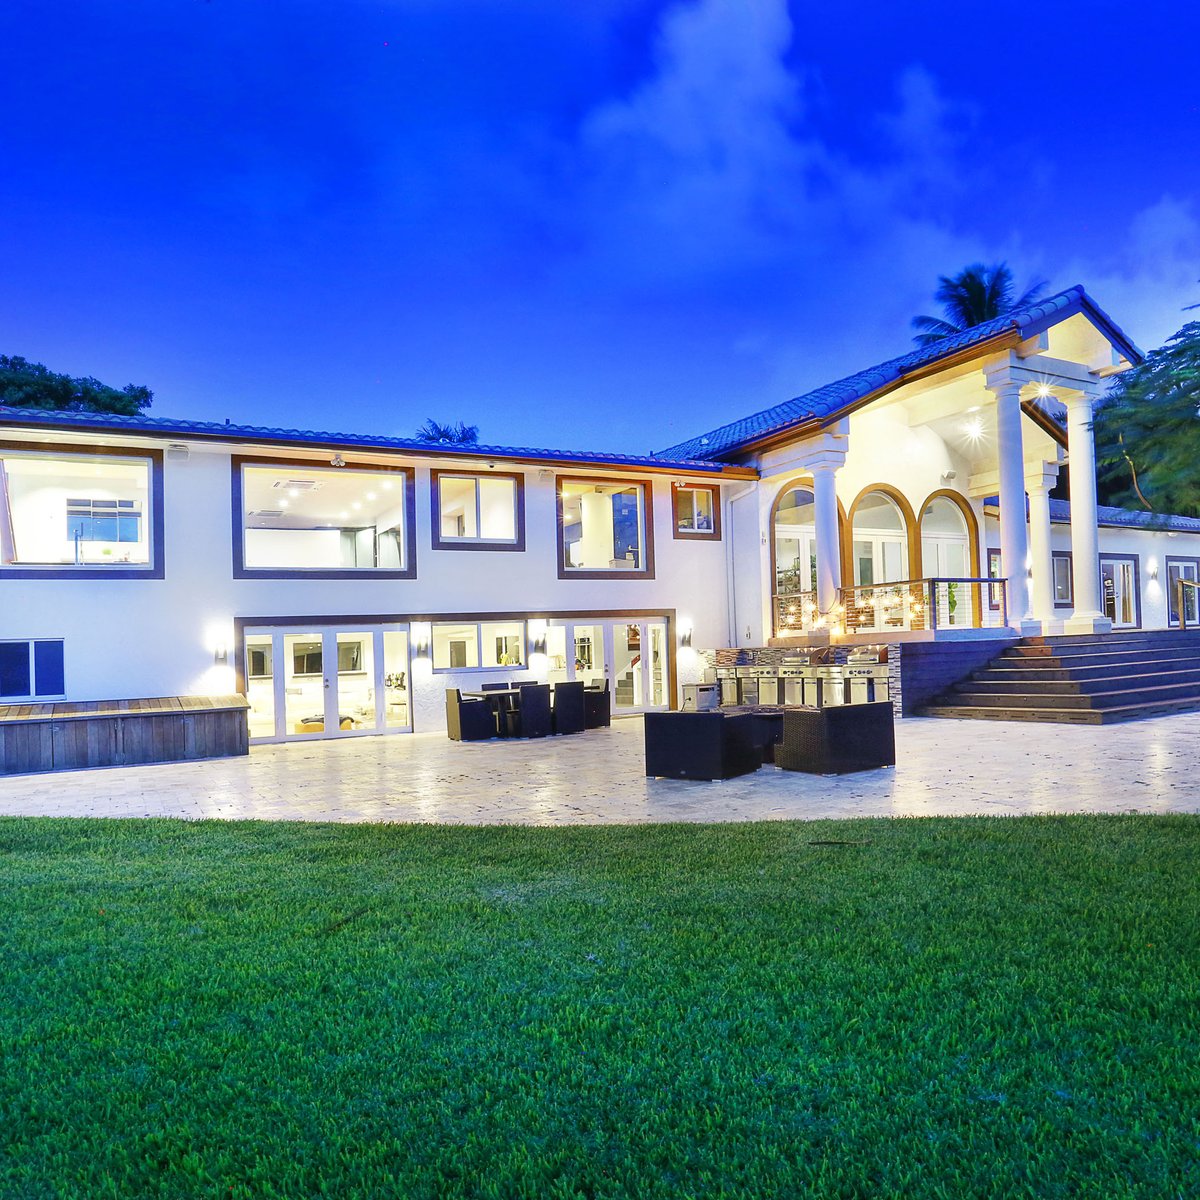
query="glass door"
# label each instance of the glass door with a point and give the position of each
(629, 676)
(1118, 591)
(327, 682)
(1188, 571)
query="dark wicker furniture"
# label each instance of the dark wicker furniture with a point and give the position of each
(701, 745)
(468, 720)
(568, 708)
(838, 739)
(597, 707)
(531, 717)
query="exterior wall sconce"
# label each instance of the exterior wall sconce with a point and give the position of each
(221, 654)
(1152, 569)
(420, 641)
(685, 638)
(537, 644)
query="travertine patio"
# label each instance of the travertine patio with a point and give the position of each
(944, 768)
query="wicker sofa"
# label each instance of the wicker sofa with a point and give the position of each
(838, 739)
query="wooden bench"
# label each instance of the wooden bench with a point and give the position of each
(63, 736)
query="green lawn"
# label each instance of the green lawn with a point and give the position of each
(958, 1008)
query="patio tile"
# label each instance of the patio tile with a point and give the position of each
(945, 768)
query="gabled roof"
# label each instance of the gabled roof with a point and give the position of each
(216, 431)
(831, 401)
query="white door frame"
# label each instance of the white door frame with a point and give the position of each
(328, 634)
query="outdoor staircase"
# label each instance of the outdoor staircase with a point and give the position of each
(1090, 679)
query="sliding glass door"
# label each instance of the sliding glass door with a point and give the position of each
(631, 655)
(321, 682)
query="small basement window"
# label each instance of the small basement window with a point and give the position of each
(32, 670)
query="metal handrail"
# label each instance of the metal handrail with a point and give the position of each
(1180, 585)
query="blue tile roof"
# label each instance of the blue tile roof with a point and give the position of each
(170, 427)
(1113, 518)
(828, 402)
(1127, 518)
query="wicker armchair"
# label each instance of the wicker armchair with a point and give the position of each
(838, 739)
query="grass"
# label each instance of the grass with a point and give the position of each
(980, 1007)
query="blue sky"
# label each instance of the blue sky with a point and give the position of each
(601, 224)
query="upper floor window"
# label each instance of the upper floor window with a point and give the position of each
(86, 511)
(604, 529)
(697, 511)
(477, 512)
(319, 521)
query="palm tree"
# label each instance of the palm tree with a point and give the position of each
(976, 294)
(457, 435)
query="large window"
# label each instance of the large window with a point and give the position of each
(492, 645)
(31, 670)
(604, 529)
(323, 521)
(696, 508)
(477, 512)
(82, 511)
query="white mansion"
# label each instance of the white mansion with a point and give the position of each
(355, 578)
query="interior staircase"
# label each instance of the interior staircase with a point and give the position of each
(1090, 679)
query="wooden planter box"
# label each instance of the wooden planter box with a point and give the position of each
(110, 733)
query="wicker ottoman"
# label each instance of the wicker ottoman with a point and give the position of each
(837, 739)
(701, 745)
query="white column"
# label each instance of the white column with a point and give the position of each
(1014, 544)
(829, 550)
(1085, 541)
(1041, 557)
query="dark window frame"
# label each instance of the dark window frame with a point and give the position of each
(1056, 555)
(241, 571)
(439, 542)
(684, 535)
(33, 696)
(993, 557)
(647, 486)
(1137, 584)
(523, 665)
(154, 569)
(1168, 562)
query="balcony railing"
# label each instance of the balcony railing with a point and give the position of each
(902, 606)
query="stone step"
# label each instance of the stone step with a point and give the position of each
(1121, 637)
(1114, 698)
(1095, 659)
(1048, 668)
(1091, 686)
(1063, 716)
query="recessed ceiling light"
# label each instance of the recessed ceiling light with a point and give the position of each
(387, 485)
(356, 504)
(293, 493)
(283, 504)
(974, 429)
(343, 515)
(370, 495)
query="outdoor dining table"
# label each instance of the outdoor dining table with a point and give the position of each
(503, 701)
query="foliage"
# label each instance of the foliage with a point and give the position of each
(946, 1008)
(31, 385)
(458, 434)
(1148, 429)
(976, 294)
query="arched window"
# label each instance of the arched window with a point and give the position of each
(879, 535)
(795, 542)
(945, 540)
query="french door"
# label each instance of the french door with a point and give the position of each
(321, 681)
(1188, 570)
(1118, 591)
(632, 656)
